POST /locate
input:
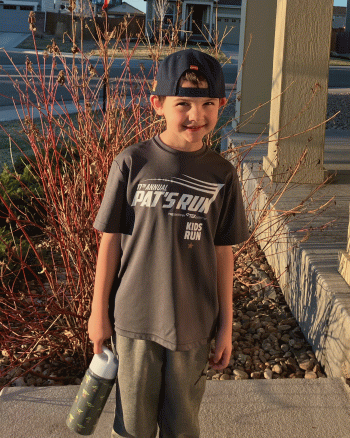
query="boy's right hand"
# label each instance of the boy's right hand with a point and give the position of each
(99, 329)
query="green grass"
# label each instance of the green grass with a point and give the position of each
(142, 52)
(9, 152)
(42, 43)
(339, 62)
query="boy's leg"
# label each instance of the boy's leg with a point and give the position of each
(182, 391)
(137, 390)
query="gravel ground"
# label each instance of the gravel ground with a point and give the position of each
(267, 341)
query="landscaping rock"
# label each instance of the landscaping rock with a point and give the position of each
(267, 341)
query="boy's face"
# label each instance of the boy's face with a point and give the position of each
(188, 119)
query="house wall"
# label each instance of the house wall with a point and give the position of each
(338, 21)
(229, 26)
(228, 18)
(232, 12)
(228, 23)
(50, 6)
(14, 16)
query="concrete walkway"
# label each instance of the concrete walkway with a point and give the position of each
(231, 409)
(231, 51)
(11, 40)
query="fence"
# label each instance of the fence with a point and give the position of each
(57, 24)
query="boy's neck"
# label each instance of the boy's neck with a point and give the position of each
(180, 145)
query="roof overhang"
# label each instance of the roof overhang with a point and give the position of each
(19, 3)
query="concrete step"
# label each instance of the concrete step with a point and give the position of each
(303, 250)
(285, 408)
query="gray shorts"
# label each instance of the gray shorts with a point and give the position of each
(158, 387)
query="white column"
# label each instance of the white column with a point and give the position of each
(149, 19)
(254, 82)
(299, 89)
(183, 19)
(147, 33)
(211, 16)
(344, 261)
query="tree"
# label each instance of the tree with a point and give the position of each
(161, 7)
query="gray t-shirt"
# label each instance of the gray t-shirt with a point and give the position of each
(172, 208)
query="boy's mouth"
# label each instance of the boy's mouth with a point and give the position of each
(194, 128)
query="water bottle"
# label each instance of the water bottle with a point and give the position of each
(93, 393)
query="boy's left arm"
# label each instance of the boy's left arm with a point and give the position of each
(223, 340)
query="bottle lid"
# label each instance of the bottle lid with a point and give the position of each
(105, 364)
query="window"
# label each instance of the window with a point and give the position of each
(169, 15)
(9, 6)
(226, 20)
(26, 8)
(219, 19)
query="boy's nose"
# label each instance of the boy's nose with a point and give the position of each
(195, 113)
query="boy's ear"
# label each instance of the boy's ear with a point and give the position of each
(222, 102)
(157, 104)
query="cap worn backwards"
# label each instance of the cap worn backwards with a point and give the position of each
(175, 65)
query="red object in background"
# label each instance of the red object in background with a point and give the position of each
(105, 4)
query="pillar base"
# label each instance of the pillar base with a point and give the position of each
(304, 175)
(344, 266)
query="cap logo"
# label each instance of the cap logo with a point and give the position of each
(154, 85)
(193, 67)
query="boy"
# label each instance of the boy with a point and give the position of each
(171, 212)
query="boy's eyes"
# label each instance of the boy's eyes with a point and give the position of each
(188, 104)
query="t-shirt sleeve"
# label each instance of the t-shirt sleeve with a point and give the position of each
(232, 226)
(114, 215)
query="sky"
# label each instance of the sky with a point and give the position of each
(340, 2)
(141, 4)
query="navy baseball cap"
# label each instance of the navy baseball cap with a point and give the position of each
(175, 65)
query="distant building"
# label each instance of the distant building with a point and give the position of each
(14, 14)
(200, 18)
(124, 9)
(19, 5)
(339, 17)
(62, 6)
